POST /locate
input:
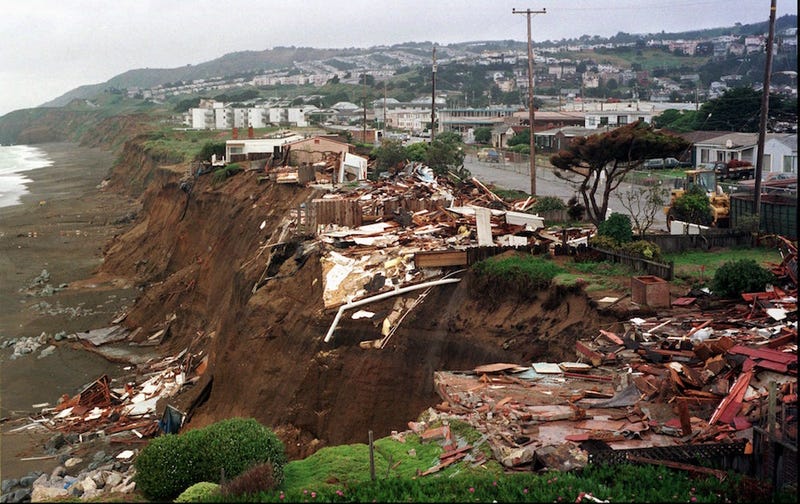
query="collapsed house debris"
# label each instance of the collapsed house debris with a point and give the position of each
(125, 414)
(402, 230)
(666, 391)
(659, 384)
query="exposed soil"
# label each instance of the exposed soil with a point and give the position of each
(267, 355)
(198, 256)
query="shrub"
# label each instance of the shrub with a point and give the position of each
(260, 478)
(643, 248)
(521, 275)
(748, 223)
(736, 277)
(198, 492)
(171, 463)
(227, 171)
(603, 242)
(209, 149)
(693, 206)
(548, 203)
(618, 227)
(575, 210)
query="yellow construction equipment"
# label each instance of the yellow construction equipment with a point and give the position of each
(706, 179)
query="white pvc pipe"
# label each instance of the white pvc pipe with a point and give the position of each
(381, 296)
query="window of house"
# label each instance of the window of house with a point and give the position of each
(704, 155)
(790, 163)
(622, 119)
(767, 162)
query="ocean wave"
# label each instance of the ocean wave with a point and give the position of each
(15, 160)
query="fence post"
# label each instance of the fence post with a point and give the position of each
(371, 458)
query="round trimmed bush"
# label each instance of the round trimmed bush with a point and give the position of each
(198, 492)
(171, 463)
(736, 277)
(617, 226)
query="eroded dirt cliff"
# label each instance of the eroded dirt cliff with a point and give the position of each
(199, 256)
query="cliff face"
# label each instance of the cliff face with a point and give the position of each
(227, 263)
(199, 256)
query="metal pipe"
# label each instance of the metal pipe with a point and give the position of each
(381, 296)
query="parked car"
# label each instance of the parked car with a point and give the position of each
(668, 163)
(489, 155)
(771, 179)
(671, 163)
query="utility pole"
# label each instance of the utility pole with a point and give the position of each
(364, 122)
(762, 128)
(433, 96)
(531, 112)
(384, 107)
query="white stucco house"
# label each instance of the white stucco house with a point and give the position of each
(780, 150)
(780, 153)
(615, 118)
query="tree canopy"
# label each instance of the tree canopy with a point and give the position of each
(444, 154)
(602, 160)
(391, 154)
(483, 135)
(738, 109)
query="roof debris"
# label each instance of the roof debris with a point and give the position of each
(689, 379)
(129, 408)
(401, 230)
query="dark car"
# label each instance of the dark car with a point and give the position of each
(654, 164)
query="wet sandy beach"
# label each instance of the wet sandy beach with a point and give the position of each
(61, 226)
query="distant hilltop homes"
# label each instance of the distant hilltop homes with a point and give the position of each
(556, 66)
(572, 73)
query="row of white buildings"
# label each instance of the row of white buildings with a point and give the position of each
(412, 117)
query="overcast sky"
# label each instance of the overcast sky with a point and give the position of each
(48, 47)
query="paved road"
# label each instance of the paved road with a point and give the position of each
(510, 175)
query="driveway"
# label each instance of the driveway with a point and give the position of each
(510, 175)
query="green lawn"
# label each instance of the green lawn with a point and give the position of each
(699, 267)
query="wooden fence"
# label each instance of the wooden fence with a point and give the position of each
(639, 264)
(469, 256)
(344, 212)
(705, 241)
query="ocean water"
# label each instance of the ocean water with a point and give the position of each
(15, 160)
